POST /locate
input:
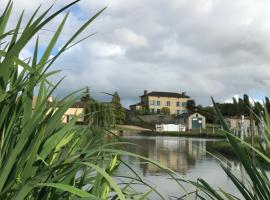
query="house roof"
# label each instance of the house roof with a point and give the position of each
(187, 115)
(137, 104)
(165, 94)
(79, 104)
(236, 117)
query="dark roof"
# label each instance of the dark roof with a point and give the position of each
(166, 94)
(236, 117)
(184, 115)
(79, 104)
(187, 115)
(137, 104)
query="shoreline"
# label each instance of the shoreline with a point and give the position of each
(122, 132)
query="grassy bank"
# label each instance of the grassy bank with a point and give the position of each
(205, 133)
(183, 134)
(225, 148)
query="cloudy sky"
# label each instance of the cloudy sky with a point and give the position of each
(203, 47)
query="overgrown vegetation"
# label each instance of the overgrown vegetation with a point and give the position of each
(255, 184)
(40, 157)
(118, 110)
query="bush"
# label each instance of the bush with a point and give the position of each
(165, 111)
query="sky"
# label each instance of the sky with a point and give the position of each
(203, 47)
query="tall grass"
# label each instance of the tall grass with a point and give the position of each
(40, 157)
(255, 185)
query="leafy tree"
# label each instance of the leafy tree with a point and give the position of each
(267, 104)
(119, 111)
(86, 95)
(97, 114)
(165, 111)
(235, 107)
(191, 105)
(209, 114)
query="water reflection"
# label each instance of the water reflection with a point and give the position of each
(187, 156)
(179, 154)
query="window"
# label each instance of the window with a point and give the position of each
(153, 102)
(158, 111)
(178, 112)
(152, 110)
(177, 103)
(158, 103)
(168, 103)
(184, 104)
(184, 111)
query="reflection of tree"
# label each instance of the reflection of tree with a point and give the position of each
(178, 154)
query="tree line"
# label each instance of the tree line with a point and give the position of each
(241, 106)
(106, 113)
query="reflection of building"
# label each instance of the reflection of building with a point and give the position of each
(177, 154)
(155, 101)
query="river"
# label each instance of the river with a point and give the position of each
(186, 156)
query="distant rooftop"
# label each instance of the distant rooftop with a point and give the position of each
(79, 104)
(137, 104)
(165, 94)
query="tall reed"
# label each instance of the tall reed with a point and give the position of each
(255, 185)
(40, 157)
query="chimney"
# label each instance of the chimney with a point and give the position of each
(145, 92)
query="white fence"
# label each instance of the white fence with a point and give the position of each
(170, 127)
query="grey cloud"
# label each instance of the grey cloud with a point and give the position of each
(204, 47)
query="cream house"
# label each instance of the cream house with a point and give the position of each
(155, 101)
(76, 110)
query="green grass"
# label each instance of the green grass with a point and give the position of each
(183, 134)
(253, 183)
(40, 157)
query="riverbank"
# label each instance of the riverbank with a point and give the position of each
(224, 147)
(124, 130)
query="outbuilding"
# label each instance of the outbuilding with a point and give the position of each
(170, 128)
(192, 120)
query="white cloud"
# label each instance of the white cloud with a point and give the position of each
(130, 38)
(204, 47)
(105, 50)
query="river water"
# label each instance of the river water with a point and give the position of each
(186, 156)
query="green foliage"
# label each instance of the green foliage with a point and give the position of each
(119, 111)
(255, 184)
(209, 113)
(100, 114)
(86, 95)
(165, 111)
(191, 105)
(97, 114)
(40, 157)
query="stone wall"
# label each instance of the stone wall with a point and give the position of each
(153, 119)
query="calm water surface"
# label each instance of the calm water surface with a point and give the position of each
(186, 156)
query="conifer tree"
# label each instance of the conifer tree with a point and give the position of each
(118, 109)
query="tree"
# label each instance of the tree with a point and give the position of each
(86, 95)
(119, 111)
(191, 105)
(165, 111)
(236, 111)
(267, 104)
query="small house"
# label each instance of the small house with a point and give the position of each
(239, 124)
(76, 110)
(192, 120)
